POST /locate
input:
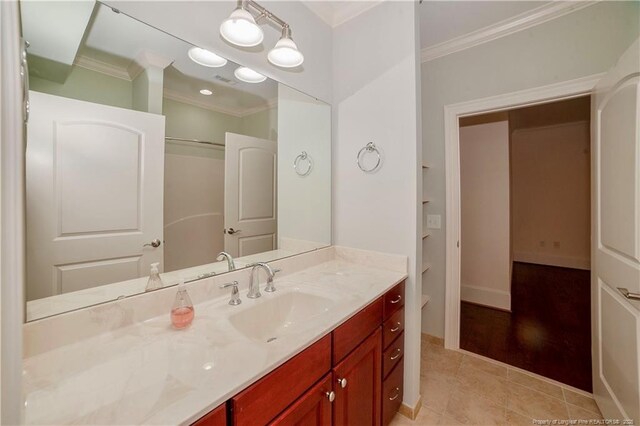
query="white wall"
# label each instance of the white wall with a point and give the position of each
(550, 172)
(376, 83)
(582, 43)
(485, 211)
(304, 202)
(198, 22)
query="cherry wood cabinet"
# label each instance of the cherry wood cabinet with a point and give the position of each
(351, 376)
(216, 417)
(264, 400)
(358, 385)
(311, 409)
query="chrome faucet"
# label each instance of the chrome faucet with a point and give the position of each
(254, 285)
(230, 263)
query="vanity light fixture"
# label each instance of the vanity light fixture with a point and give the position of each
(242, 30)
(206, 58)
(248, 75)
(206, 92)
(285, 53)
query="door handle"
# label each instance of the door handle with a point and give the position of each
(155, 243)
(232, 231)
(629, 295)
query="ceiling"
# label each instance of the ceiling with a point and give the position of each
(441, 21)
(335, 13)
(115, 43)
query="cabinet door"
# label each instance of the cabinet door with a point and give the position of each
(216, 417)
(311, 409)
(357, 384)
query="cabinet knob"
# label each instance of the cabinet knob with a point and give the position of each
(342, 383)
(331, 396)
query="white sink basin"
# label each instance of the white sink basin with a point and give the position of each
(274, 315)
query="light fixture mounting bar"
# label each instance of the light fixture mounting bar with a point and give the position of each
(263, 11)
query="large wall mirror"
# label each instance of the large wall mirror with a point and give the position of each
(143, 149)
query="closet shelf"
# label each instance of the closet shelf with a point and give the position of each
(425, 300)
(425, 268)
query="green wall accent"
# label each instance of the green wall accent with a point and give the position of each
(87, 85)
(262, 124)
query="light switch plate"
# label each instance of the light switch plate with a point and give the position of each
(433, 221)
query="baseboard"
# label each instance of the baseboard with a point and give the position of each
(486, 296)
(411, 412)
(552, 260)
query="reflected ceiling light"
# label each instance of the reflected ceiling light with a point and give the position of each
(206, 92)
(240, 28)
(248, 75)
(206, 58)
(285, 53)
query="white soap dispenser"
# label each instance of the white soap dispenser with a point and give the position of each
(155, 282)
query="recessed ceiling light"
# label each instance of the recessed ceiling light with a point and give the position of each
(206, 58)
(206, 92)
(248, 75)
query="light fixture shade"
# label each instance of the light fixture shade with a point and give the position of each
(285, 53)
(240, 28)
(248, 75)
(206, 92)
(206, 58)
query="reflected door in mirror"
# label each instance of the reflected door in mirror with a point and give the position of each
(250, 195)
(94, 194)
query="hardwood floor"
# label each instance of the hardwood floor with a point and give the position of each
(548, 331)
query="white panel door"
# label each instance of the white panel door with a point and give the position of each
(616, 232)
(94, 194)
(249, 195)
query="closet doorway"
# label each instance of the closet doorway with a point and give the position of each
(525, 238)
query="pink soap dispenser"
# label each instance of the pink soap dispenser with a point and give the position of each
(182, 311)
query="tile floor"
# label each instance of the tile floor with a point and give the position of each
(462, 389)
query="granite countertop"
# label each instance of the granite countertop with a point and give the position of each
(149, 373)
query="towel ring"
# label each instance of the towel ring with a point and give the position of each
(370, 147)
(296, 164)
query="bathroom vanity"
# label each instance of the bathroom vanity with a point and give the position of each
(325, 348)
(351, 376)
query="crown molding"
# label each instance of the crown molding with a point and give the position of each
(102, 67)
(336, 13)
(235, 112)
(523, 21)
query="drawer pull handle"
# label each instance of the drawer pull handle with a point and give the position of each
(398, 353)
(331, 396)
(391, 398)
(398, 299)
(394, 329)
(342, 383)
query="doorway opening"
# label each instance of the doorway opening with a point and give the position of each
(525, 238)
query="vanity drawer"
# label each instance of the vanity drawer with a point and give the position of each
(265, 399)
(392, 393)
(392, 328)
(350, 334)
(392, 355)
(393, 300)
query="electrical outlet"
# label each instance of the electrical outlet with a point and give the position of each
(433, 221)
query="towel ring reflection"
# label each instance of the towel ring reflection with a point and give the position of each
(368, 148)
(297, 167)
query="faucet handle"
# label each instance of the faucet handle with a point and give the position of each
(270, 288)
(235, 294)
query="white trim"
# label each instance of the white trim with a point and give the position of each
(12, 196)
(235, 112)
(552, 260)
(523, 21)
(539, 95)
(486, 296)
(102, 67)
